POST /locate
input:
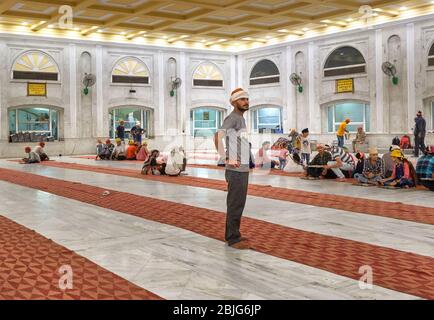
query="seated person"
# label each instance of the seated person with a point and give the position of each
(425, 169)
(107, 150)
(142, 152)
(151, 166)
(99, 149)
(175, 162)
(39, 149)
(403, 175)
(118, 151)
(360, 138)
(373, 169)
(131, 150)
(262, 158)
(389, 165)
(360, 156)
(341, 161)
(283, 155)
(321, 159)
(33, 157)
(184, 159)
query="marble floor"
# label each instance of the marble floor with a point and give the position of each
(178, 264)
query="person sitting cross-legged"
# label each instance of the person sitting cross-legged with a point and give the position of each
(33, 157)
(373, 169)
(131, 150)
(150, 166)
(403, 175)
(118, 151)
(341, 161)
(315, 169)
(39, 149)
(425, 169)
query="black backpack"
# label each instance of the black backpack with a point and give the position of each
(396, 141)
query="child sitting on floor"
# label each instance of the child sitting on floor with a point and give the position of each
(403, 175)
(151, 166)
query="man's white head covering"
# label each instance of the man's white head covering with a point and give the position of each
(238, 94)
(137, 123)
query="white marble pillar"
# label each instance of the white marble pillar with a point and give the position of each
(73, 90)
(99, 93)
(291, 105)
(410, 76)
(161, 88)
(314, 117)
(183, 94)
(379, 102)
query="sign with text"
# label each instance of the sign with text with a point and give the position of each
(36, 89)
(344, 85)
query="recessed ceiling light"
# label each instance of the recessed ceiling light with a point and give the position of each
(164, 37)
(350, 19)
(375, 14)
(123, 33)
(50, 26)
(403, 8)
(99, 30)
(268, 37)
(24, 23)
(203, 40)
(77, 29)
(305, 29)
(432, 2)
(282, 30)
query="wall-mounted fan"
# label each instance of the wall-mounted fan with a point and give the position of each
(390, 70)
(89, 80)
(175, 84)
(296, 81)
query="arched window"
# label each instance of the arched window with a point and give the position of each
(265, 71)
(36, 120)
(35, 65)
(205, 121)
(343, 61)
(207, 75)
(357, 112)
(130, 70)
(267, 119)
(130, 115)
(431, 56)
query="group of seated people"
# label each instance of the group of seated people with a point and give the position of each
(36, 155)
(392, 170)
(133, 151)
(154, 164)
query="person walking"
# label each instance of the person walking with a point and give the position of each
(236, 157)
(419, 134)
(341, 132)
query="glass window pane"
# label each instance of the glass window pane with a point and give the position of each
(12, 121)
(54, 124)
(431, 50)
(129, 115)
(111, 130)
(353, 111)
(264, 68)
(269, 112)
(344, 56)
(206, 121)
(34, 119)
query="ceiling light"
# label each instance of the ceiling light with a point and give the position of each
(432, 2)
(350, 19)
(203, 40)
(164, 37)
(24, 23)
(222, 40)
(184, 36)
(375, 14)
(282, 30)
(123, 33)
(77, 29)
(99, 30)
(305, 29)
(268, 37)
(403, 8)
(50, 26)
(246, 38)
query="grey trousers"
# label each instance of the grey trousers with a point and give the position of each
(238, 183)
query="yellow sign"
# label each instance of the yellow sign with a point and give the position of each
(344, 85)
(36, 89)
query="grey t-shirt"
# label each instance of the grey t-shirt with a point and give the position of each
(237, 145)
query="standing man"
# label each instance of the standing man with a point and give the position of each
(120, 131)
(341, 132)
(419, 134)
(137, 132)
(237, 166)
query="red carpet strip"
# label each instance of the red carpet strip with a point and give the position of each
(397, 270)
(29, 270)
(396, 210)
